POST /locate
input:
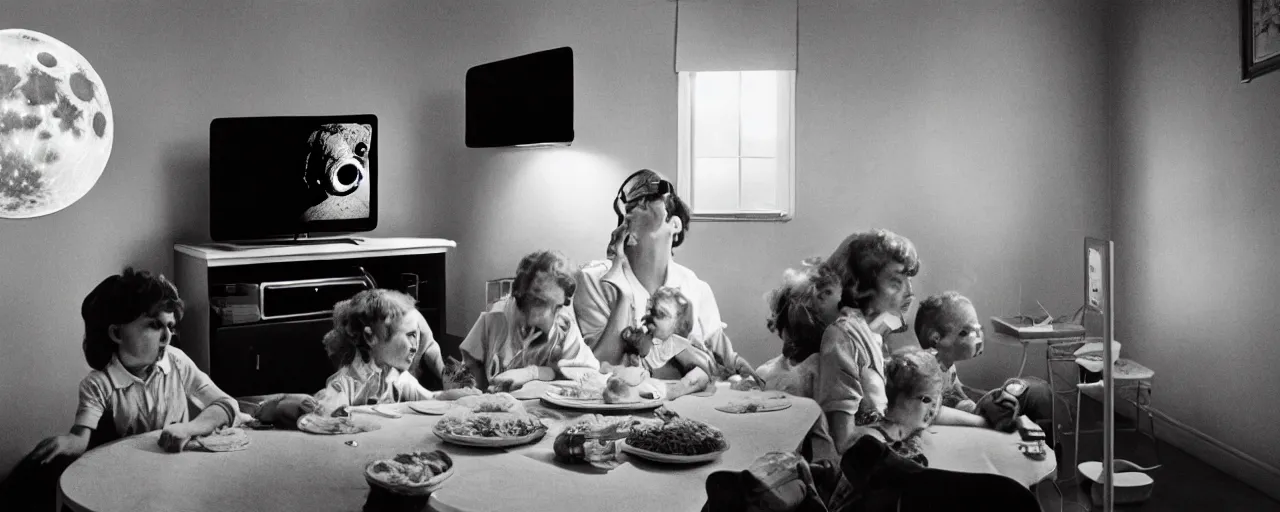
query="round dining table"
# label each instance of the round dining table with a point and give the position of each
(981, 450)
(286, 470)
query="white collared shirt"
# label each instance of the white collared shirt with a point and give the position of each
(137, 405)
(362, 382)
(495, 340)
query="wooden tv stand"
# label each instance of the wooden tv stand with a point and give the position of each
(284, 354)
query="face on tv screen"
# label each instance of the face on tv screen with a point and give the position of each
(282, 176)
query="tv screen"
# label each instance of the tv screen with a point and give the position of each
(525, 100)
(273, 177)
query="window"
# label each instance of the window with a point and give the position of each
(736, 137)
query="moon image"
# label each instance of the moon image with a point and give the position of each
(56, 125)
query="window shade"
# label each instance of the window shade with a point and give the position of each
(735, 35)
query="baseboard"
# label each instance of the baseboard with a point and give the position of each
(1239, 465)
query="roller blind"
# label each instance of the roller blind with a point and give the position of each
(735, 35)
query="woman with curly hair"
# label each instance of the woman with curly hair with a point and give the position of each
(875, 270)
(531, 335)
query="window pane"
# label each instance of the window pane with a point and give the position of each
(760, 184)
(759, 113)
(715, 114)
(715, 184)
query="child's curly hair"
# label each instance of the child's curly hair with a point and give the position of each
(937, 314)
(535, 271)
(376, 309)
(910, 372)
(793, 309)
(684, 309)
(121, 299)
(860, 258)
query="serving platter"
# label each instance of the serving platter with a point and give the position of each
(669, 458)
(598, 404)
(490, 442)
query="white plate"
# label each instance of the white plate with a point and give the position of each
(597, 404)
(668, 458)
(432, 407)
(490, 442)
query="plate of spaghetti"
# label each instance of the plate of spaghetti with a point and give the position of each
(678, 441)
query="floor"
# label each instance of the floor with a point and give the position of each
(1182, 483)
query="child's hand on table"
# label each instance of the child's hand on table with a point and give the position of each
(174, 437)
(512, 379)
(65, 444)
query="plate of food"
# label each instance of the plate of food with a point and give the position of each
(225, 439)
(617, 392)
(335, 425)
(431, 407)
(755, 404)
(411, 474)
(496, 402)
(675, 441)
(490, 429)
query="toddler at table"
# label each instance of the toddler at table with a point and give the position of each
(373, 342)
(139, 383)
(532, 334)
(947, 325)
(662, 347)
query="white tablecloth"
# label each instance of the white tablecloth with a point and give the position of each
(289, 470)
(980, 450)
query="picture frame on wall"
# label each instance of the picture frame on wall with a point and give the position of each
(1259, 38)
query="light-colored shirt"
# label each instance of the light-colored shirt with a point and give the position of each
(495, 340)
(851, 367)
(663, 351)
(799, 379)
(142, 405)
(595, 297)
(953, 394)
(362, 383)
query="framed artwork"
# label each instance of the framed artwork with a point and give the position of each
(1259, 37)
(1097, 282)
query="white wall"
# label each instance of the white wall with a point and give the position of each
(1195, 220)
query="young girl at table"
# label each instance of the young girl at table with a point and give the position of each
(374, 339)
(139, 383)
(531, 335)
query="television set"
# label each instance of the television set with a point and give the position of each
(521, 101)
(280, 177)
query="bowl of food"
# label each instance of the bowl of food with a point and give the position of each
(415, 473)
